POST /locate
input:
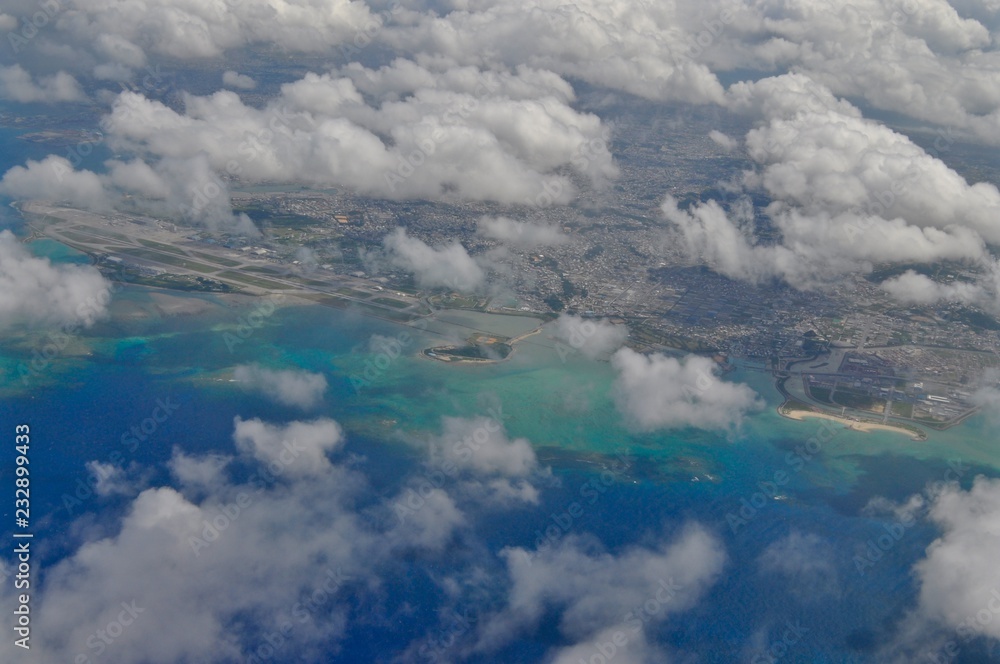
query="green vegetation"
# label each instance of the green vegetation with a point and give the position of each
(216, 259)
(975, 319)
(253, 281)
(389, 302)
(152, 244)
(554, 303)
(821, 394)
(179, 282)
(902, 409)
(857, 400)
(169, 260)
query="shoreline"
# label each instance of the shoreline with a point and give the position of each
(853, 424)
(460, 360)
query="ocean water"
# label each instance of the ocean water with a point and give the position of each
(103, 381)
(86, 400)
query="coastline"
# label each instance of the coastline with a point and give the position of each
(851, 423)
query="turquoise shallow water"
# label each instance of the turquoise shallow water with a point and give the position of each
(111, 377)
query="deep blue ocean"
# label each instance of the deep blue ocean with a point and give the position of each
(81, 406)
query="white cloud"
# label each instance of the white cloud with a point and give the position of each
(591, 592)
(595, 338)
(431, 525)
(641, 49)
(521, 234)
(847, 193)
(200, 473)
(16, 84)
(35, 291)
(234, 79)
(804, 564)
(481, 445)
(111, 479)
(725, 142)
(417, 132)
(921, 58)
(636, 649)
(657, 391)
(447, 266)
(915, 288)
(179, 188)
(959, 578)
(242, 551)
(296, 449)
(302, 389)
(54, 179)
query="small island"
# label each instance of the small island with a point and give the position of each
(479, 348)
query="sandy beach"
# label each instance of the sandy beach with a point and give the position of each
(849, 423)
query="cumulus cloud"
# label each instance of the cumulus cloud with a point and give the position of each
(804, 563)
(16, 84)
(727, 143)
(204, 472)
(177, 188)
(521, 234)
(54, 179)
(426, 522)
(447, 266)
(231, 566)
(234, 79)
(959, 582)
(238, 556)
(624, 645)
(302, 389)
(482, 464)
(911, 287)
(595, 338)
(657, 391)
(481, 445)
(921, 58)
(847, 193)
(591, 592)
(125, 37)
(641, 49)
(299, 448)
(35, 291)
(111, 479)
(427, 132)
